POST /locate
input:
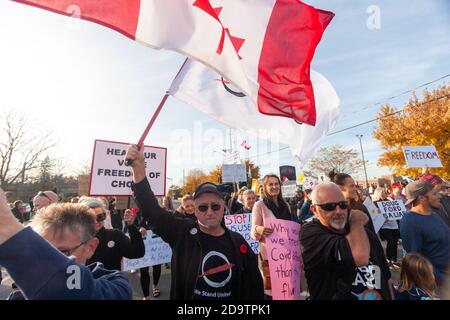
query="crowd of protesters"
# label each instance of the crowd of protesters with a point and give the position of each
(343, 255)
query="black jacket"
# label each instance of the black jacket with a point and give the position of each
(16, 212)
(234, 205)
(114, 245)
(183, 237)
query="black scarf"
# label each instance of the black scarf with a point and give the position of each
(281, 212)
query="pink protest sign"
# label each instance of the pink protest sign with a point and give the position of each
(283, 252)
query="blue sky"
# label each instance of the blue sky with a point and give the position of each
(83, 81)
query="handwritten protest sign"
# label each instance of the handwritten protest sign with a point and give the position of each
(283, 252)
(156, 252)
(309, 183)
(110, 176)
(289, 189)
(233, 173)
(421, 156)
(377, 218)
(242, 224)
(392, 210)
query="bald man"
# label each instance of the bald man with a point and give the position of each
(343, 260)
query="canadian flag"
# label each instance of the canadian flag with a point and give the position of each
(263, 47)
(245, 145)
(203, 89)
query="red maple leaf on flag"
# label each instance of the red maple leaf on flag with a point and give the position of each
(237, 42)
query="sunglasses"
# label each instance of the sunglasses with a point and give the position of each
(330, 206)
(204, 207)
(100, 217)
(42, 194)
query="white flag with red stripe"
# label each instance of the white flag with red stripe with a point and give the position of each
(204, 89)
(264, 47)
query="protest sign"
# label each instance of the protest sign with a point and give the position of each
(378, 221)
(110, 176)
(287, 173)
(392, 210)
(283, 253)
(289, 189)
(156, 252)
(421, 156)
(377, 218)
(242, 224)
(309, 183)
(233, 173)
(323, 178)
(371, 207)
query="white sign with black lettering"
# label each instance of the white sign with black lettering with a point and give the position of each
(111, 177)
(289, 189)
(421, 156)
(392, 210)
(233, 173)
(156, 252)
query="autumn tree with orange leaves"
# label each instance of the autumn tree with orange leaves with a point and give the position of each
(421, 123)
(195, 178)
(215, 175)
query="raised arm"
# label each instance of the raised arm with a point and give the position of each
(163, 224)
(358, 239)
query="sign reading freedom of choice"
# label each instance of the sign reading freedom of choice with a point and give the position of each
(421, 156)
(111, 177)
(283, 253)
(242, 224)
(392, 210)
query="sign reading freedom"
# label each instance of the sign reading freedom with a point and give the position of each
(111, 177)
(421, 156)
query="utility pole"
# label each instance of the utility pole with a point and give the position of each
(359, 136)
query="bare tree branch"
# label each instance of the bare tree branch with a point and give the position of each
(21, 148)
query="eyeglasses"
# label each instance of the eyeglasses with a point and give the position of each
(204, 207)
(42, 194)
(330, 206)
(68, 252)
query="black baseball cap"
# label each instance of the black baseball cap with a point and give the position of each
(207, 187)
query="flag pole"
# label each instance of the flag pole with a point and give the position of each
(155, 115)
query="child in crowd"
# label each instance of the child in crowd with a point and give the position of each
(417, 280)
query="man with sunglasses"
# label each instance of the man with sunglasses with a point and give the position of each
(209, 262)
(114, 244)
(47, 261)
(342, 258)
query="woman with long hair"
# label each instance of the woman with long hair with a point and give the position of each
(270, 206)
(348, 188)
(417, 280)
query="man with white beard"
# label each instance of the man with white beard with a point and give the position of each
(342, 258)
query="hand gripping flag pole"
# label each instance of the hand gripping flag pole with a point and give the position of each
(128, 162)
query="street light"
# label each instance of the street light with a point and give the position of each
(359, 136)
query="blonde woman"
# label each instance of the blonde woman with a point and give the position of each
(270, 206)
